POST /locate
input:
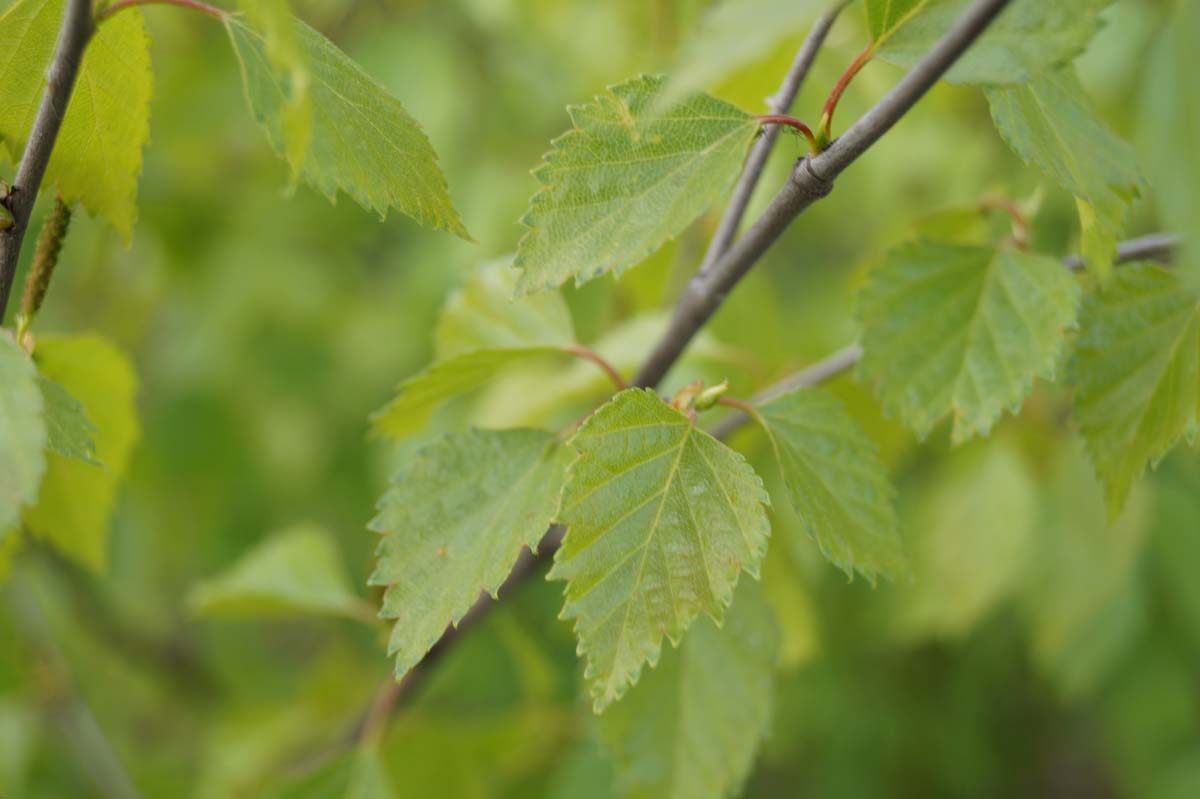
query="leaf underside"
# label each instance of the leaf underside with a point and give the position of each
(22, 433)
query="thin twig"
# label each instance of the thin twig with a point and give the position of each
(1155, 247)
(810, 180)
(580, 351)
(194, 5)
(73, 37)
(756, 162)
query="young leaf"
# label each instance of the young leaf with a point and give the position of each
(454, 523)
(362, 141)
(1049, 123)
(22, 433)
(481, 331)
(76, 498)
(962, 330)
(1027, 39)
(691, 727)
(626, 178)
(662, 518)
(732, 34)
(68, 430)
(295, 571)
(973, 535)
(97, 157)
(836, 483)
(483, 315)
(1137, 368)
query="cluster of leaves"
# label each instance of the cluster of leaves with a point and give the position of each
(660, 517)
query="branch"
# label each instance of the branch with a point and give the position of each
(77, 28)
(1155, 247)
(756, 162)
(811, 179)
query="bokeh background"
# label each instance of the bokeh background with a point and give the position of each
(265, 328)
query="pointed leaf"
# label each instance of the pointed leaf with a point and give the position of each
(625, 179)
(962, 330)
(662, 518)
(418, 396)
(483, 315)
(297, 570)
(972, 538)
(68, 430)
(1050, 124)
(735, 33)
(836, 483)
(97, 156)
(454, 523)
(76, 498)
(22, 433)
(691, 727)
(1137, 368)
(1029, 38)
(363, 142)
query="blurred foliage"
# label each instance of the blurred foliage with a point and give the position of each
(266, 325)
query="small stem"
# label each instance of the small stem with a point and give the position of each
(195, 5)
(580, 351)
(836, 95)
(792, 122)
(1019, 222)
(742, 405)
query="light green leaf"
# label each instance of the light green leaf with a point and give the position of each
(1137, 368)
(962, 330)
(418, 396)
(1029, 38)
(735, 33)
(22, 433)
(273, 20)
(1169, 129)
(661, 519)
(836, 483)
(97, 156)
(68, 430)
(972, 539)
(1080, 598)
(297, 570)
(691, 727)
(76, 498)
(1049, 123)
(625, 179)
(454, 523)
(362, 142)
(483, 315)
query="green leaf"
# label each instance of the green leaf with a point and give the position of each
(418, 396)
(22, 433)
(735, 33)
(362, 142)
(625, 179)
(1137, 368)
(483, 315)
(972, 538)
(661, 519)
(97, 156)
(691, 727)
(962, 330)
(1049, 123)
(1029, 38)
(297, 570)
(454, 523)
(836, 483)
(76, 498)
(273, 20)
(1169, 129)
(368, 776)
(68, 430)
